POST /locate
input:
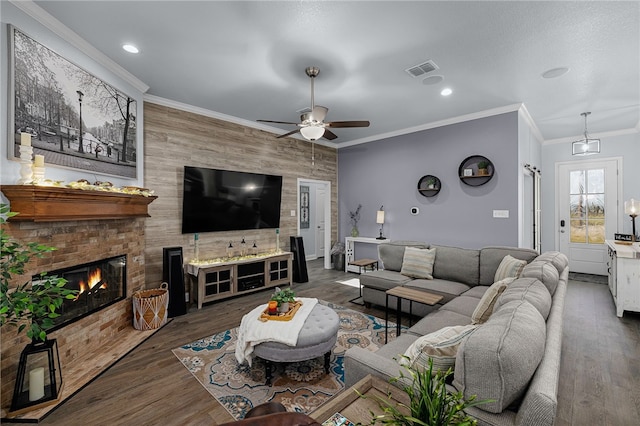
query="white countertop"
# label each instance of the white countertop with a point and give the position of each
(630, 251)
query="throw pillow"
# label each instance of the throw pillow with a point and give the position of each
(484, 309)
(509, 267)
(418, 263)
(440, 346)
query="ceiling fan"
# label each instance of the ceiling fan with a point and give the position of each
(312, 125)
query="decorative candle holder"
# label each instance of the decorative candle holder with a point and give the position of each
(26, 173)
(38, 174)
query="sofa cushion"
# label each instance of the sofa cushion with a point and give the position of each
(464, 305)
(490, 258)
(396, 347)
(509, 267)
(383, 279)
(440, 346)
(477, 291)
(418, 263)
(391, 254)
(557, 259)
(485, 307)
(545, 272)
(437, 320)
(529, 289)
(449, 290)
(498, 359)
(457, 264)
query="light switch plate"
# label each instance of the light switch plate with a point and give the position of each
(501, 213)
(293, 213)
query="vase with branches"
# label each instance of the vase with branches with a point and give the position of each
(354, 217)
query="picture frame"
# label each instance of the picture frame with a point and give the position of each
(76, 120)
(467, 172)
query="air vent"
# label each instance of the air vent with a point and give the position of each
(422, 69)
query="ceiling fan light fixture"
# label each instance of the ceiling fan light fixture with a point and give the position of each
(312, 133)
(587, 145)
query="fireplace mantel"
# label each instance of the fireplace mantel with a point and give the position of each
(56, 204)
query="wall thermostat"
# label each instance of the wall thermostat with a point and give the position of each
(415, 210)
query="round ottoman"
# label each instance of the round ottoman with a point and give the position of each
(317, 337)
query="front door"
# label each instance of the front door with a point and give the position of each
(587, 195)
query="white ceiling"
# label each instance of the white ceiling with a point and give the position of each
(247, 59)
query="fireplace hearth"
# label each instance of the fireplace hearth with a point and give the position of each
(99, 284)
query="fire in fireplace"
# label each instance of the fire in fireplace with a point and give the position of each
(100, 284)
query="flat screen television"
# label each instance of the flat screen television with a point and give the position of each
(222, 200)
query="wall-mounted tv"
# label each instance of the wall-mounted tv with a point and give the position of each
(222, 200)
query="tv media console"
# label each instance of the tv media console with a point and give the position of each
(220, 280)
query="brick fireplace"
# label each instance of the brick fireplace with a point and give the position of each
(78, 243)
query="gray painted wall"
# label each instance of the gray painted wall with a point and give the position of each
(386, 172)
(625, 146)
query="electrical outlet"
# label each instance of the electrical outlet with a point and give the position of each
(503, 214)
(293, 213)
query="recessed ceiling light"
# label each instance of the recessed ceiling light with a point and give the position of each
(130, 48)
(555, 72)
(446, 91)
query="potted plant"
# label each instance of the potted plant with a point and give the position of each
(430, 182)
(483, 168)
(30, 306)
(430, 402)
(284, 298)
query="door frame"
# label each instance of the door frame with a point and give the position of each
(327, 215)
(619, 195)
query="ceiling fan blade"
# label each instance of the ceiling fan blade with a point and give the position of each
(280, 122)
(328, 134)
(288, 134)
(363, 123)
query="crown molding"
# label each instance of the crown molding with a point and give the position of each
(435, 124)
(593, 136)
(64, 32)
(224, 117)
(524, 114)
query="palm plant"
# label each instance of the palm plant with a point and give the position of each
(430, 402)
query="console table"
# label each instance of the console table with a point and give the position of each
(624, 276)
(227, 278)
(350, 252)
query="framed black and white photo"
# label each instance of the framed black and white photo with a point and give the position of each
(75, 119)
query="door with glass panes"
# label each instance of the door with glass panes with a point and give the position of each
(587, 196)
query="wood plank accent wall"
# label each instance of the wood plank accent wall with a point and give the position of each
(174, 138)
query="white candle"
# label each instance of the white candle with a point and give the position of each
(25, 139)
(36, 384)
(38, 160)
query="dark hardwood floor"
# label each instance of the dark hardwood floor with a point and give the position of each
(599, 385)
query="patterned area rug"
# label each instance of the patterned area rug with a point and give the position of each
(300, 386)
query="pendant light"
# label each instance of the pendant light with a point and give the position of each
(586, 146)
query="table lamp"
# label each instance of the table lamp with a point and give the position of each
(380, 221)
(632, 208)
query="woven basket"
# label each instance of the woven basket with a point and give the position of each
(150, 308)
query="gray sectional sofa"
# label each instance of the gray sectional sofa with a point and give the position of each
(513, 358)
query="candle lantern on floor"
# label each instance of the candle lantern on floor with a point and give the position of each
(39, 379)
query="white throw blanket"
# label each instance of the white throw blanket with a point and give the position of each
(252, 331)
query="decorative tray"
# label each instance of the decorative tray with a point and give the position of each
(284, 316)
